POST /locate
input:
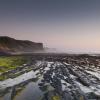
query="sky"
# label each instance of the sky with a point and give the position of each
(67, 25)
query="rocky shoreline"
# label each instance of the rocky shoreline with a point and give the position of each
(69, 78)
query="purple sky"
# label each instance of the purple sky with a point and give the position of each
(68, 25)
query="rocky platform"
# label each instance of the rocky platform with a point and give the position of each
(66, 78)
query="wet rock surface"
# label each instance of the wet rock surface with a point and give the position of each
(56, 78)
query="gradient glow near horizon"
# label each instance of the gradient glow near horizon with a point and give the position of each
(68, 25)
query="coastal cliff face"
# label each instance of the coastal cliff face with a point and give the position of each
(11, 45)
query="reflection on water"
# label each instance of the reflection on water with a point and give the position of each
(6, 97)
(31, 92)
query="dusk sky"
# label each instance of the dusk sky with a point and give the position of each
(68, 25)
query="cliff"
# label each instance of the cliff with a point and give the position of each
(11, 45)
